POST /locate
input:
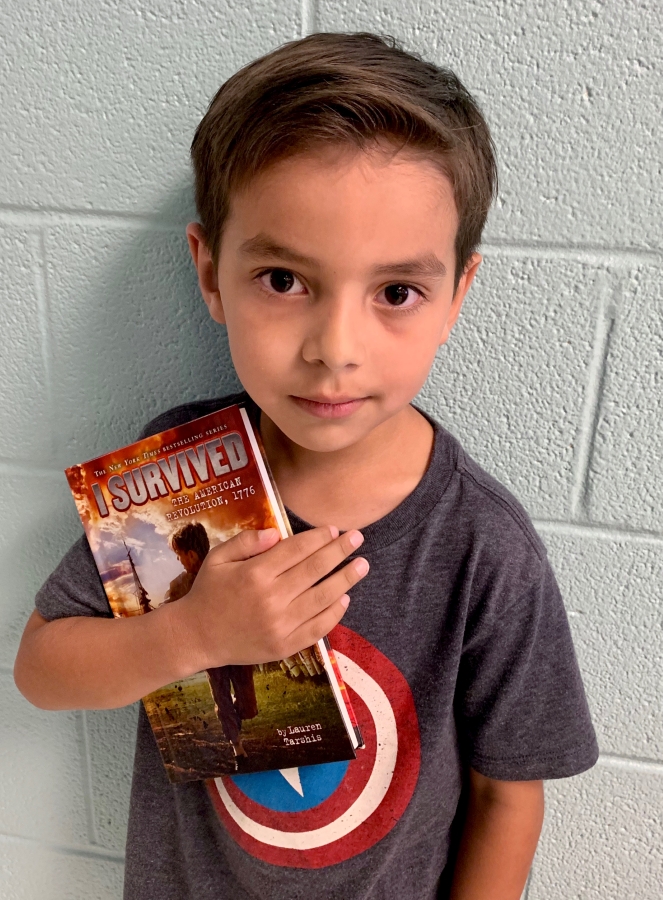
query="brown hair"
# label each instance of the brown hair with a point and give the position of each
(192, 537)
(357, 89)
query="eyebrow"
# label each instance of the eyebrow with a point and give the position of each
(262, 245)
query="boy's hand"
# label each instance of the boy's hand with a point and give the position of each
(257, 598)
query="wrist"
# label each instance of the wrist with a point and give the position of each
(183, 638)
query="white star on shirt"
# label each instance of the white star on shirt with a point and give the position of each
(293, 779)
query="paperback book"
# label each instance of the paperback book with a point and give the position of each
(151, 512)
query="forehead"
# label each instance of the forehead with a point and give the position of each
(344, 200)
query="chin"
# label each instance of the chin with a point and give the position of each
(322, 440)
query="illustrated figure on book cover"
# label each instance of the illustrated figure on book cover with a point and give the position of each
(232, 686)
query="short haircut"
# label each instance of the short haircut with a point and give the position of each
(192, 537)
(361, 90)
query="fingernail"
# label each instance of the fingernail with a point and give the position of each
(361, 566)
(334, 531)
(345, 601)
(267, 532)
(356, 538)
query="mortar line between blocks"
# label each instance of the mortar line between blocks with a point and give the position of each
(308, 17)
(634, 763)
(619, 257)
(47, 336)
(49, 216)
(13, 467)
(43, 311)
(592, 401)
(87, 779)
(64, 849)
(598, 531)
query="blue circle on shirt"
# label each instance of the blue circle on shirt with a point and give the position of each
(271, 789)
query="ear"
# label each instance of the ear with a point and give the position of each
(464, 283)
(207, 275)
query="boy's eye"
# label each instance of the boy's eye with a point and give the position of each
(400, 295)
(281, 281)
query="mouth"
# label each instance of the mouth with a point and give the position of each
(329, 407)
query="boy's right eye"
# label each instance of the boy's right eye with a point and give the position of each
(281, 281)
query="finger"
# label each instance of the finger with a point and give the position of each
(319, 564)
(244, 545)
(323, 595)
(293, 550)
(316, 628)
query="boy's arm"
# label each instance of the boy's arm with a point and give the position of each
(255, 599)
(499, 839)
(85, 662)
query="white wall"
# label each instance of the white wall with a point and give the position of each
(553, 379)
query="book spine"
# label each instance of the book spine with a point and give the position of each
(279, 512)
(340, 693)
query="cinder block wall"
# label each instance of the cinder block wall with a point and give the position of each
(554, 378)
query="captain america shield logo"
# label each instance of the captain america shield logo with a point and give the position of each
(320, 815)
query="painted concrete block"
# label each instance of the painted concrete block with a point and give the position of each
(131, 335)
(112, 740)
(42, 791)
(38, 524)
(33, 872)
(24, 426)
(572, 92)
(602, 837)
(613, 591)
(100, 102)
(510, 383)
(626, 473)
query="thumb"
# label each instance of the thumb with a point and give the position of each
(245, 545)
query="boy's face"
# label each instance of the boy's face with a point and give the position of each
(335, 280)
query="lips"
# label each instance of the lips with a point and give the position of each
(330, 408)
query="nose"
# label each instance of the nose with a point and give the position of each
(336, 334)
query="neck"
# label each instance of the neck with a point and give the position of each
(357, 485)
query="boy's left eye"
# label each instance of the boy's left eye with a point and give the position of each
(281, 281)
(401, 296)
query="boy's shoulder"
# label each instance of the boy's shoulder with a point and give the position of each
(494, 504)
(478, 522)
(481, 500)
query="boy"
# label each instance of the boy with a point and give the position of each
(342, 186)
(191, 545)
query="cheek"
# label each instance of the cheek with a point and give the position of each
(259, 348)
(406, 355)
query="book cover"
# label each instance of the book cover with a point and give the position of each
(151, 512)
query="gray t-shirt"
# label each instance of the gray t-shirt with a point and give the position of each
(457, 652)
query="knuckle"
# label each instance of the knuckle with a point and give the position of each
(321, 596)
(350, 579)
(245, 538)
(316, 568)
(275, 641)
(253, 580)
(351, 575)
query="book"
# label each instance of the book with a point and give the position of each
(151, 512)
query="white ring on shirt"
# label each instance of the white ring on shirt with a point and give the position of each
(374, 791)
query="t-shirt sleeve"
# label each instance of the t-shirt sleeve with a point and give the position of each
(74, 588)
(521, 708)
